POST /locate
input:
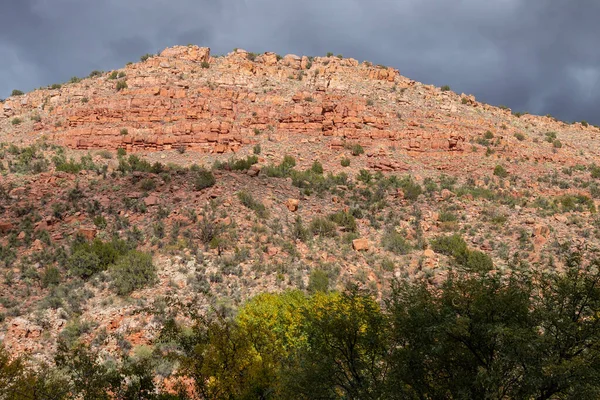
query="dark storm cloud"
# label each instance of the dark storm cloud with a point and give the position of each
(532, 55)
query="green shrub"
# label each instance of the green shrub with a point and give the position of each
(449, 245)
(255, 205)
(395, 242)
(124, 131)
(584, 124)
(410, 188)
(83, 264)
(318, 281)
(364, 176)
(550, 136)
(50, 276)
(344, 219)
(133, 271)
(557, 144)
(445, 88)
(121, 152)
(146, 57)
(322, 227)
(205, 65)
(456, 247)
(282, 170)
(500, 172)
(95, 73)
(317, 167)
(16, 121)
(256, 149)
(240, 165)
(446, 216)
(203, 178)
(100, 221)
(520, 137)
(17, 92)
(106, 154)
(357, 150)
(148, 184)
(488, 135)
(121, 85)
(345, 162)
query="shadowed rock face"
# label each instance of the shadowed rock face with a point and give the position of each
(185, 97)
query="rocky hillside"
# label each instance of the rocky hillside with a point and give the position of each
(247, 173)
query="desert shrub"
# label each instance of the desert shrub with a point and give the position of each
(550, 136)
(322, 227)
(298, 230)
(256, 149)
(83, 264)
(205, 65)
(100, 221)
(500, 172)
(284, 169)
(121, 85)
(345, 220)
(557, 144)
(148, 184)
(345, 162)
(317, 167)
(253, 204)
(239, 165)
(133, 271)
(410, 188)
(17, 92)
(395, 242)
(16, 121)
(449, 245)
(578, 202)
(357, 150)
(106, 154)
(456, 247)
(520, 137)
(318, 281)
(446, 216)
(146, 57)
(203, 178)
(50, 276)
(106, 253)
(445, 88)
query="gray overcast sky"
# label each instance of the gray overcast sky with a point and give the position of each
(541, 56)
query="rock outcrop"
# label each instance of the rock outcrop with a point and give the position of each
(185, 97)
